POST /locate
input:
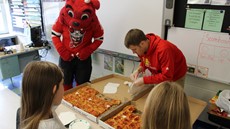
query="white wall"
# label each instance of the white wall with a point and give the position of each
(98, 66)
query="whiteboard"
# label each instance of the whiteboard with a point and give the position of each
(119, 16)
(207, 52)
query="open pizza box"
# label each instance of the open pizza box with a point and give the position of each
(138, 104)
(70, 119)
(122, 92)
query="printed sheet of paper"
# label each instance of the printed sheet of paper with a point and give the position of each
(111, 88)
(66, 117)
(194, 18)
(213, 20)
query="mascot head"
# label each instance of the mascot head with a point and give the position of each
(79, 15)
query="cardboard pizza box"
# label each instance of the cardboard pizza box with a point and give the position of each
(80, 111)
(196, 107)
(65, 116)
(122, 90)
(139, 105)
(99, 84)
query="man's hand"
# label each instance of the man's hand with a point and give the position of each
(135, 75)
(138, 82)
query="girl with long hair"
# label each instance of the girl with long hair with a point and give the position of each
(42, 90)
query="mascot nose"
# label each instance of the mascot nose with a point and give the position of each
(76, 24)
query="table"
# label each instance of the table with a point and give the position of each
(196, 107)
(13, 64)
(9, 103)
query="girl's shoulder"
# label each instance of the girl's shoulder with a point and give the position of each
(50, 124)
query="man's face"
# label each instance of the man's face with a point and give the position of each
(138, 49)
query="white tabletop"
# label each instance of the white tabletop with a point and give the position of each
(9, 103)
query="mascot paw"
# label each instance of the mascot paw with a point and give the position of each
(83, 56)
(67, 57)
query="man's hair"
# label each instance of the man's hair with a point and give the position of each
(134, 37)
(39, 79)
(166, 107)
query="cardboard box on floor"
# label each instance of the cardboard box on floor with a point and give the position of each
(99, 84)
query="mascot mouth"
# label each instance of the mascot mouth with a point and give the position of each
(76, 36)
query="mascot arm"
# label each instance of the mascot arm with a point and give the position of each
(63, 52)
(61, 49)
(88, 50)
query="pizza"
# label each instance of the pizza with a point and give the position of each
(128, 118)
(90, 100)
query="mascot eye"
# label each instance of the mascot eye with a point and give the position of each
(84, 16)
(70, 13)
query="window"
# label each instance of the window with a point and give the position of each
(3, 20)
(25, 12)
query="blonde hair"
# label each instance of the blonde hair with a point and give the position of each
(166, 107)
(39, 79)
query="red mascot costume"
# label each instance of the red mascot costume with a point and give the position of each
(76, 34)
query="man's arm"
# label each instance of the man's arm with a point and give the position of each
(136, 73)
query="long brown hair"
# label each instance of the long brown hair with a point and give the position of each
(39, 79)
(166, 108)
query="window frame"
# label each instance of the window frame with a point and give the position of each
(4, 18)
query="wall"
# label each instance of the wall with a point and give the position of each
(117, 17)
(98, 66)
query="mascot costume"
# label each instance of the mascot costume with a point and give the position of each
(76, 34)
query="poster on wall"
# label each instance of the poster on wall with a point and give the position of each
(108, 62)
(213, 20)
(194, 18)
(119, 65)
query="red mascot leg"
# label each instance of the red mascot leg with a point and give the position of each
(67, 87)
